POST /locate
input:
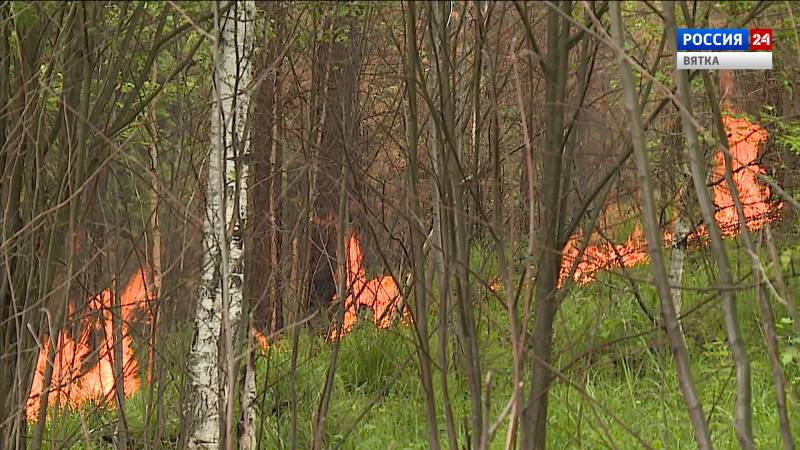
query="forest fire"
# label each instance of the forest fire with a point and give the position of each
(604, 256)
(260, 339)
(81, 374)
(380, 294)
(744, 139)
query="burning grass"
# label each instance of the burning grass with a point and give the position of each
(84, 374)
(380, 295)
(378, 402)
(377, 399)
(744, 139)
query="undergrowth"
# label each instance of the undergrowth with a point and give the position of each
(617, 387)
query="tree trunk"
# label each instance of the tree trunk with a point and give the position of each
(421, 305)
(155, 286)
(247, 397)
(220, 295)
(762, 296)
(260, 271)
(264, 301)
(337, 159)
(653, 235)
(118, 367)
(340, 61)
(534, 415)
(743, 413)
(677, 256)
(321, 415)
(682, 227)
(452, 212)
(79, 82)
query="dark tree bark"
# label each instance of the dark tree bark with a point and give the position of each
(421, 305)
(762, 296)
(263, 276)
(340, 59)
(552, 215)
(76, 101)
(453, 211)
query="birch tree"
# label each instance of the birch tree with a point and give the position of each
(220, 294)
(682, 227)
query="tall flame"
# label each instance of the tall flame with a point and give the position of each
(744, 139)
(260, 339)
(75, 382)
(380, 294)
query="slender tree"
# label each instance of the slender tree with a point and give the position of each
(421, 304)
(220, 296)
(682, 226)
(653, 235)
(552, 218)
(743, 410)
(762, 296)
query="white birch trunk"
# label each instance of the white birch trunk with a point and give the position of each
(679, 242)
(220, 294)
(676, 259)
(247, 432)
(234, 81)
(237, 77)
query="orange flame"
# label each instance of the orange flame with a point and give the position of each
(605, 256)
(260, 339)
(72, 383)
(744, 139)
(381, 294)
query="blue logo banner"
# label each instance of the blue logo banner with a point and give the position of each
(701, 39)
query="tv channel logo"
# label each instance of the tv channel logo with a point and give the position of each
(724, 39)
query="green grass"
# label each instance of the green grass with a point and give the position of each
(622, 393)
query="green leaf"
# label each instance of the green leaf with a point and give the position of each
(786, 258)
(788, 356)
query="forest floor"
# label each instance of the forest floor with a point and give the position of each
(609, 395)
